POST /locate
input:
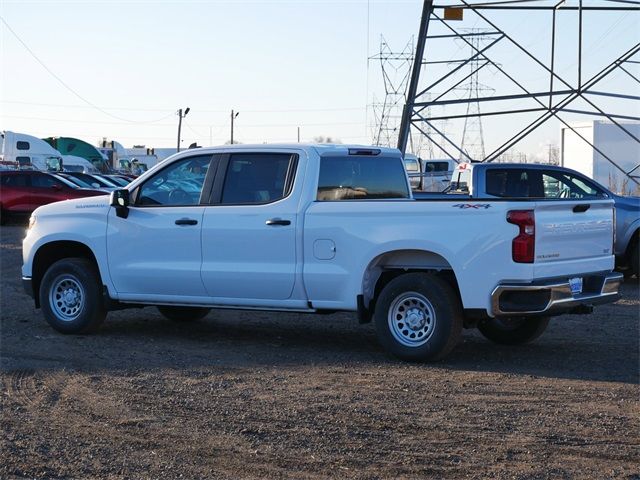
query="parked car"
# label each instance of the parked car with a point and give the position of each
(79, 182)
(21, 192)
(304, 228)
(96, 181)
(549, 182)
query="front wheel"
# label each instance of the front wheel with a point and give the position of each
(418, 317)
(70, 296)
(513, 331)
(184, 314)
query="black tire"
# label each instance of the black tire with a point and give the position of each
(634, 259)
(418, 317)
(184, 314)
(71, 296)
(513, 331)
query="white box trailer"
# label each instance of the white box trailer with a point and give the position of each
(607, 137)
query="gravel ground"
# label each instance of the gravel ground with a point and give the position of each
(270, 395)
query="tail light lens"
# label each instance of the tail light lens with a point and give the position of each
(523, 246)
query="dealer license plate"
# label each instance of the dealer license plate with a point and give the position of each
(576, 285)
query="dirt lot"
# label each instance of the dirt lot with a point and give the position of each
(255, 395)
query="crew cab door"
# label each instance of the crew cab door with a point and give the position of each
(156, 250)
(249, 231)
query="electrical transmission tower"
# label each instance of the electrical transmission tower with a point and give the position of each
(396, 71)
(579, 65)
(472, 135)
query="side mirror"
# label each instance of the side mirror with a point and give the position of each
(56, 187)
(120, 201)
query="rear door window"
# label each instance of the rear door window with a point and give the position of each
(361, 178)
(258, 178)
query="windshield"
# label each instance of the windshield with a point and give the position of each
(77, 181)
(120, 181)
(53, 164)
(64, 180)
(103, 181)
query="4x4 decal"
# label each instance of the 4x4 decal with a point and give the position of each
(476, 206)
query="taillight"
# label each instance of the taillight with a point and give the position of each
(523, 246)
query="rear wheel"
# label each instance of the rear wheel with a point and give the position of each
(184, 314)
(418, 317)
(513, 331)
(634, 259)
(70, 296)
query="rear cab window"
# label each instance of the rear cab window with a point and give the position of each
(514, 183)
(353, 177)
(431, 167)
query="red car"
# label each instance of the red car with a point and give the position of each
(21, 192)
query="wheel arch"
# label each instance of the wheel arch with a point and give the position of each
(51, 252)
(387, 266)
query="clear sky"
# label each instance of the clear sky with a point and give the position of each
(281, 64)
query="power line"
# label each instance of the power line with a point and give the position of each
(251, 125)
(65, 85)
(283, 110)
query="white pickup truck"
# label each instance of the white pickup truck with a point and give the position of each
(319, 229)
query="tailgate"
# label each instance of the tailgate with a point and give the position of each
(573, 230)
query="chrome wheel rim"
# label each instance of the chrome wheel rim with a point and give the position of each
(412, 319)
(66, 298)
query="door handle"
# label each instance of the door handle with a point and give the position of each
(581, 208)
(186, 221)
(278, 221)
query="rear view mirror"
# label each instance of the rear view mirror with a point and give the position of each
(120, 201)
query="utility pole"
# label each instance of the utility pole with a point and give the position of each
(180, 117)
(233, 117)
(298, 134)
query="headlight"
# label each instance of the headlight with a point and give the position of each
(32, 222)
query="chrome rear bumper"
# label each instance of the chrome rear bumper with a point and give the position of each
(554, 295)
